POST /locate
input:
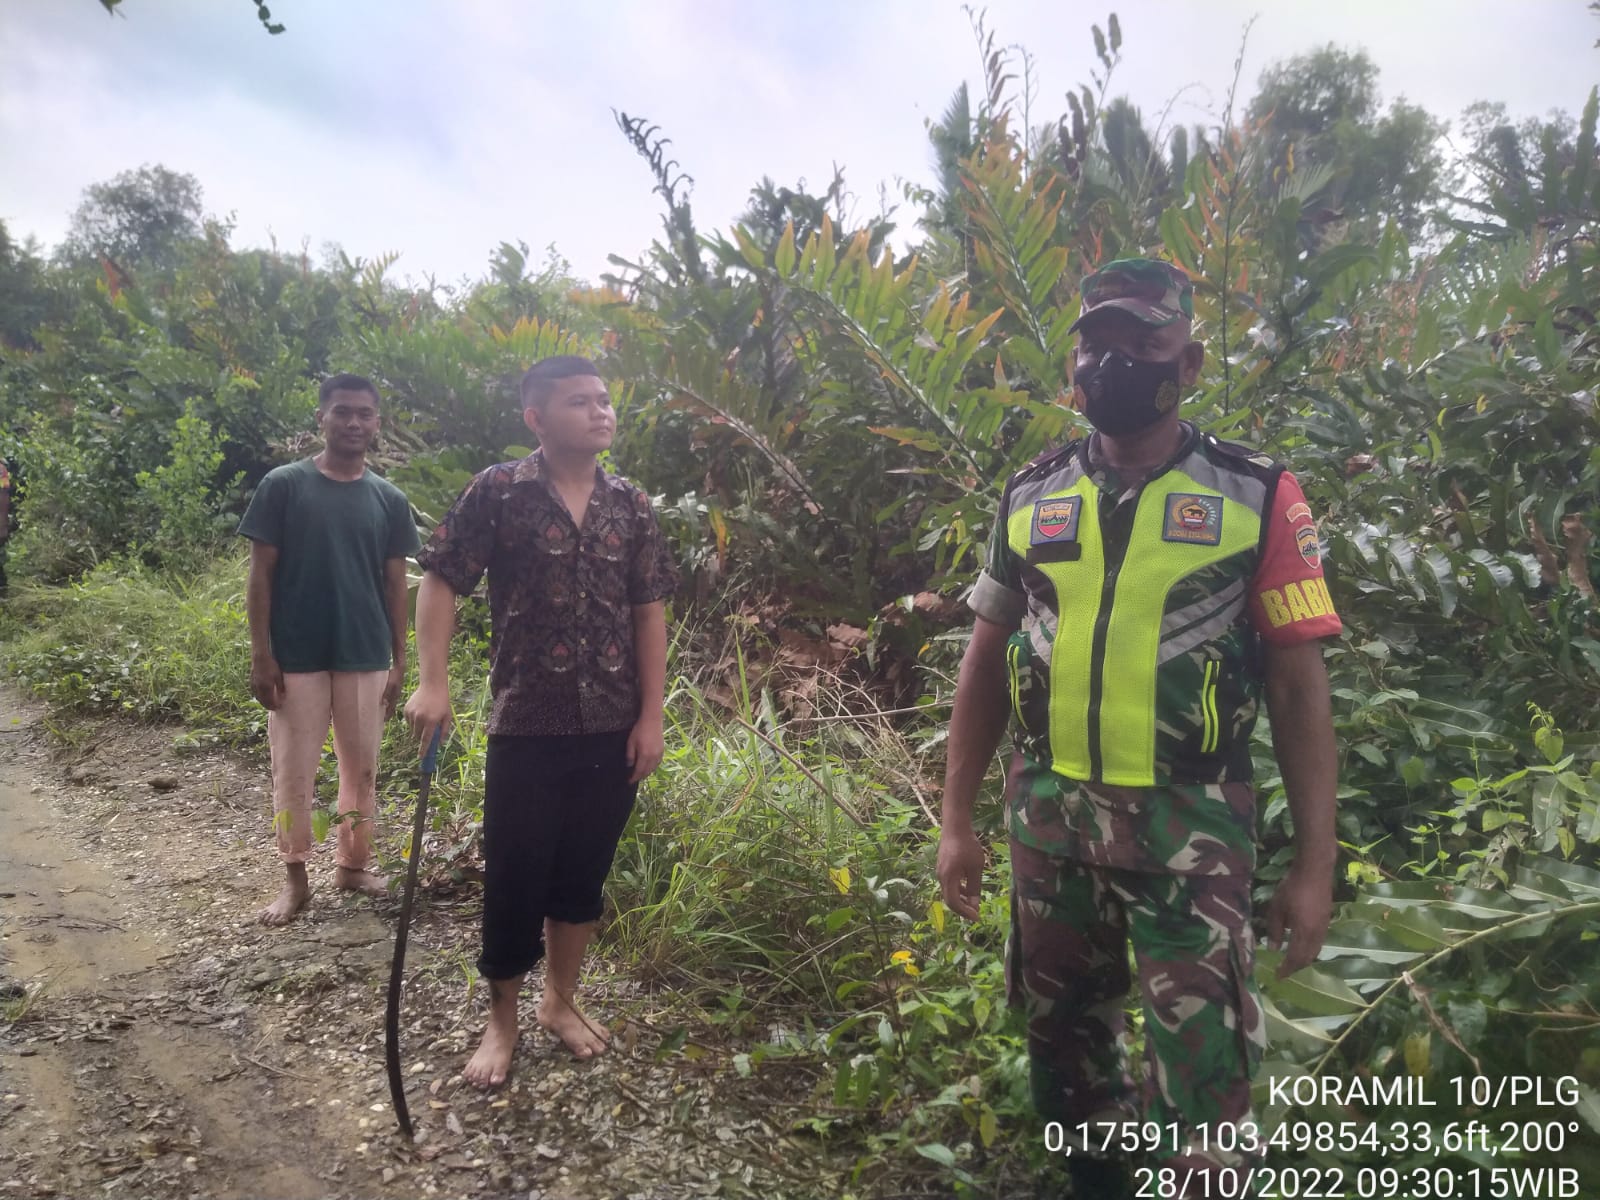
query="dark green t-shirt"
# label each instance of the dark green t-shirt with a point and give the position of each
(333, 539)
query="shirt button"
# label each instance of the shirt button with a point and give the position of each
(583, 641)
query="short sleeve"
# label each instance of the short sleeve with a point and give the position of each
(1289, 600)
(263, 517)
(998, 594)
(653, 574)
(403, 539)
(463, 541)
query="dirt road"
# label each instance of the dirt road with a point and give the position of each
(156, 1042)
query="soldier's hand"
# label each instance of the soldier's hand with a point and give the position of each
(961, 870)
(1302, 905)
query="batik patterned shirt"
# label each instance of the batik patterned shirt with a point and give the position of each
(561, 597)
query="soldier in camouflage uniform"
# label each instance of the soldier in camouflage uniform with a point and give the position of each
(1146, 588)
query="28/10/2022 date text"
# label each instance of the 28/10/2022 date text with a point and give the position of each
(1365, 1183)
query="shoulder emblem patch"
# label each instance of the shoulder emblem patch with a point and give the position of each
(1193, 518)
(1310, 548)
(1297, 510)
(1055, 520)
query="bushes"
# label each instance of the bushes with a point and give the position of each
(179, 501)
(141, 644)
(774, 881)
(830, 426)
(68, 518)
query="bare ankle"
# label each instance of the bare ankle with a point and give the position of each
(555, 1001)
(294, 896)
(504, 995)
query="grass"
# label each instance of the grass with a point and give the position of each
(142, 645)
(16, 1007)
(734, 857)
(774, 886)
(774, 889)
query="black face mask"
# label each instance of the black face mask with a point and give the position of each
(1123, 395)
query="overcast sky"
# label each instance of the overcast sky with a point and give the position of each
(440, 129)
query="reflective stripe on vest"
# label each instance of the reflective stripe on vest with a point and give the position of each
(1122, 676)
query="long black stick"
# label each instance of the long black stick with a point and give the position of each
(391, 1018)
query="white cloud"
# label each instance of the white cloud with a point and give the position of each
(441, 130)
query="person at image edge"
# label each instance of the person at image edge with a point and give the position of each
(1146, 587)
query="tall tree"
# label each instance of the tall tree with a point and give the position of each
(1501, 152)
(25, 298)
(141, 218)
(954, 137)
(1131, 151)
(1324, 109)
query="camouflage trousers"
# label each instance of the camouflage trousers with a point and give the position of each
(1067, 969)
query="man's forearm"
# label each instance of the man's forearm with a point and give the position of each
(258, 611)
(436, 625)
(395, 600)
(650, 649)
(1302, 737)
(976, 725)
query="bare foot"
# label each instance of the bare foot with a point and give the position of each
(348, 879)
(490, 1066)
(561, 1017)
(296, 891)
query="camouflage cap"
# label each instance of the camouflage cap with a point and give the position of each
(1156, 292)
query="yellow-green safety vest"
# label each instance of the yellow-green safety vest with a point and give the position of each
(1135, 664)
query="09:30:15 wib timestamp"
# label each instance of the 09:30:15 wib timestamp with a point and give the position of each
(1365, 1183)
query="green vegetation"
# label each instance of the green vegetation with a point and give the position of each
(825, 416)
(127, 640)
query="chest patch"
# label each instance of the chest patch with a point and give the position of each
(1193, 518)
(1055, 521)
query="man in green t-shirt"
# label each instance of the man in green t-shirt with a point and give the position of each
(327, 608)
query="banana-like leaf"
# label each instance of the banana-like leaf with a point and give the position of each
(1447, 898)
(1415, 928)
(1588, 1106)
(1309, 990)
(1365, 940)
(1309, 1035)
(1582, 882)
